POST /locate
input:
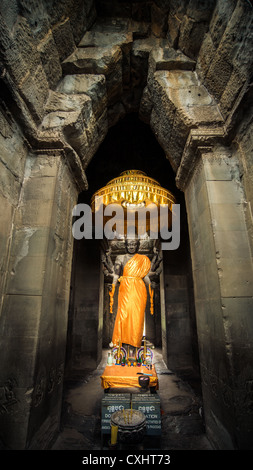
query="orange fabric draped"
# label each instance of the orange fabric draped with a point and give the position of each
(132, 300)
(117, 377)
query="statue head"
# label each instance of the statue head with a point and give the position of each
(132, 245)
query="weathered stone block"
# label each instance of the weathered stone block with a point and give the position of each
(68, 103)
(24, 65)
(159, 21)
(63, 37)
(39, 188)
(244, 417)
(204, 115)
(6, 218)
(23, 316)
(114, 9)
(200, 284)
(173, 31)
(227, 217)
(72, 116)
(218, 75)
(81, 17)
(212, 276)
(232, 244)
(231, 93)
(29, 242)
(36, 16)
(235, 277)
(238, 320)
(217, 168)
(10, 184)
(226, 192)
(12, 144)
(178, 137)
(105, 39)
(191, 36)
(34, 213)
(200, 10)
(18, 363)
(99, 60)
(26, 275)
(206, 55)
(146, 106)
(213, 355)
(162, 106)
(221, 16)
(6, 215)
(195, 105)
(163, 57)
(9, 13)
(202, 307)
(92, 85)
(41, 165)
(197, 255)
(162, 130)
(34, 90)
(115, 113)
(218, 420)
(142, 47)
(50, 60)
(191, 96)
(209, 318)
(206, 237)
(20, 41)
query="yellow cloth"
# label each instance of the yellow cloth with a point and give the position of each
(132, 300)
(122, 377)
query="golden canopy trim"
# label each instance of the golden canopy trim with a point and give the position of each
(134, 189)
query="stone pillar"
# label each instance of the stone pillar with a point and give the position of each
(223, 286)
(33, 322)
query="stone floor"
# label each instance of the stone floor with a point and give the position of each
(181, 413)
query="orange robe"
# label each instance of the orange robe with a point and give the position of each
(132, 301)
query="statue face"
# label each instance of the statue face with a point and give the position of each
(132, 246)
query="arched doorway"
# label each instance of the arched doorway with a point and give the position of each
(131, 144)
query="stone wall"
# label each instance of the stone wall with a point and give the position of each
(179, 332)
(12, 143)
(243, 149)
(35, 304)
(222, 271)
(36, 36)
(224, 60)
(86, 308)
(38, 192)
